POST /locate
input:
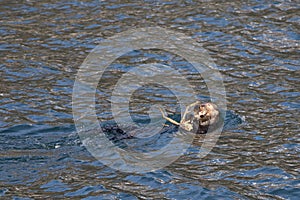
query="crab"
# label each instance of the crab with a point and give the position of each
(197, 118)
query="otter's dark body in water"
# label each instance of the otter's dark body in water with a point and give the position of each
(198, 118)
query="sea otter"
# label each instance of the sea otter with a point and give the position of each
(197, 117)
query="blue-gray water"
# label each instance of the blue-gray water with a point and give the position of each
(255, 45)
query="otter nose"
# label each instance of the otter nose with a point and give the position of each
(201, 116)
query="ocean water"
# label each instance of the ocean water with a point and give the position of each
(255, 47)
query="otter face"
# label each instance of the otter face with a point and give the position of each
(208, 114)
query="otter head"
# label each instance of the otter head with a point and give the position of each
(208, 114)
(198, 117)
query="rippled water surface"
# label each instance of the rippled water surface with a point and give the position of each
(255, 46)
